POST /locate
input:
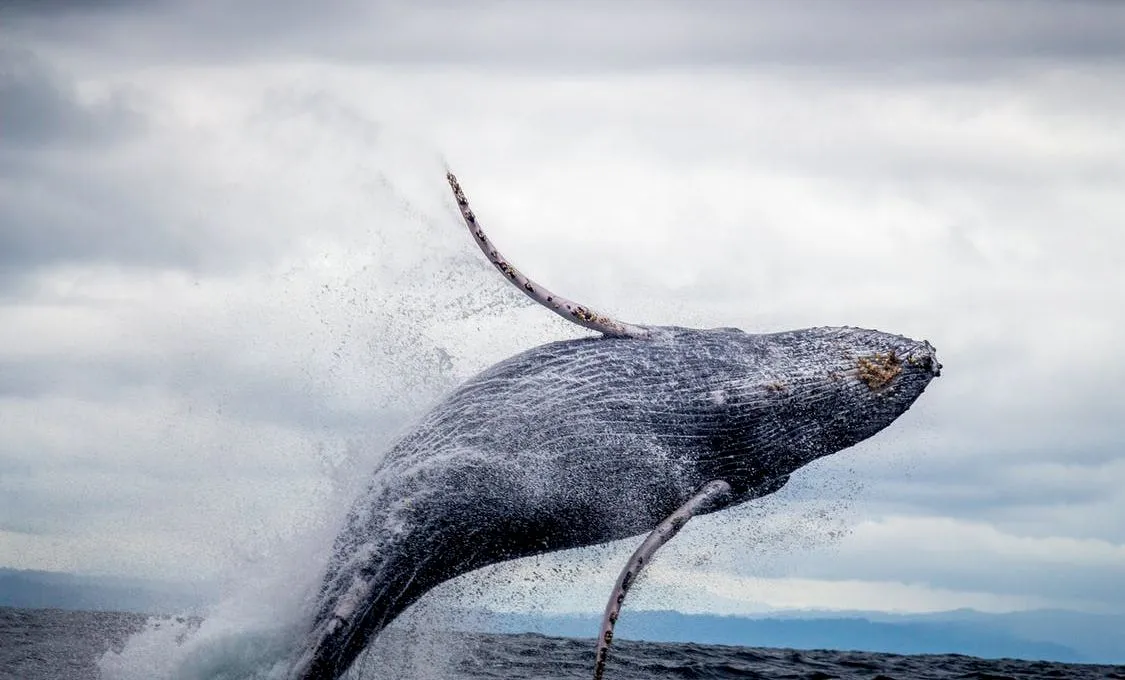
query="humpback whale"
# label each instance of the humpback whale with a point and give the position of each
(585, 441)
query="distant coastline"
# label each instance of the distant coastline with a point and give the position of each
(27, 589)
(972, 634)
(1053, 635)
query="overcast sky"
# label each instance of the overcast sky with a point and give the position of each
(230, 271)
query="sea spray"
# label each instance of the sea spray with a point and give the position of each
(375, 313)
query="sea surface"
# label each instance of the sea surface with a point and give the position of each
(51, 644)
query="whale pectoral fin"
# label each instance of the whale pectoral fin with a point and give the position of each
(708, 495)
(568, 309)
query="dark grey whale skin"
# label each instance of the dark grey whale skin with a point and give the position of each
(585, 441)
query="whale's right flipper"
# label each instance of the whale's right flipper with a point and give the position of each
(710, 493)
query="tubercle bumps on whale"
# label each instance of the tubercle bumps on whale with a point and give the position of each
(585, 441)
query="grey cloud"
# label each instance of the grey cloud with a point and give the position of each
(986, 572)
(277, 393)
(878, 35)
(1063, 576)
(971, 554)
(60, 198)
(102, 184)
(1010, 493)
(134, 513)
(18, 8)
(39, 107)
(77, 211)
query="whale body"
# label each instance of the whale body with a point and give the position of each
(586, 441)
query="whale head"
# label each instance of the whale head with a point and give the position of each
(786, 399)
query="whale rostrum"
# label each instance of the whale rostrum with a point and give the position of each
(586, 441)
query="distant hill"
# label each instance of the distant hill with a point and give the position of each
(1100, 637)
(45, 589)
(1066, 636)
(1070, 637)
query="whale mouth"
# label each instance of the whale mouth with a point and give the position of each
(924, 356)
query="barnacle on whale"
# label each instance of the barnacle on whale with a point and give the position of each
(878, 369)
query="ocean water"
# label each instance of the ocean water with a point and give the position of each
(48, 644)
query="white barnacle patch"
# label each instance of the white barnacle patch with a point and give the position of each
(718, 397)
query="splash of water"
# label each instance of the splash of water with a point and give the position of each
(383, 301)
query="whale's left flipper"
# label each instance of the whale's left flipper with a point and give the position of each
(707, 496)
(568, 309)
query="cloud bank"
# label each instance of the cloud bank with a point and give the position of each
(230, 272)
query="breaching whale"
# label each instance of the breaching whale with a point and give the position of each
(585, 441)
